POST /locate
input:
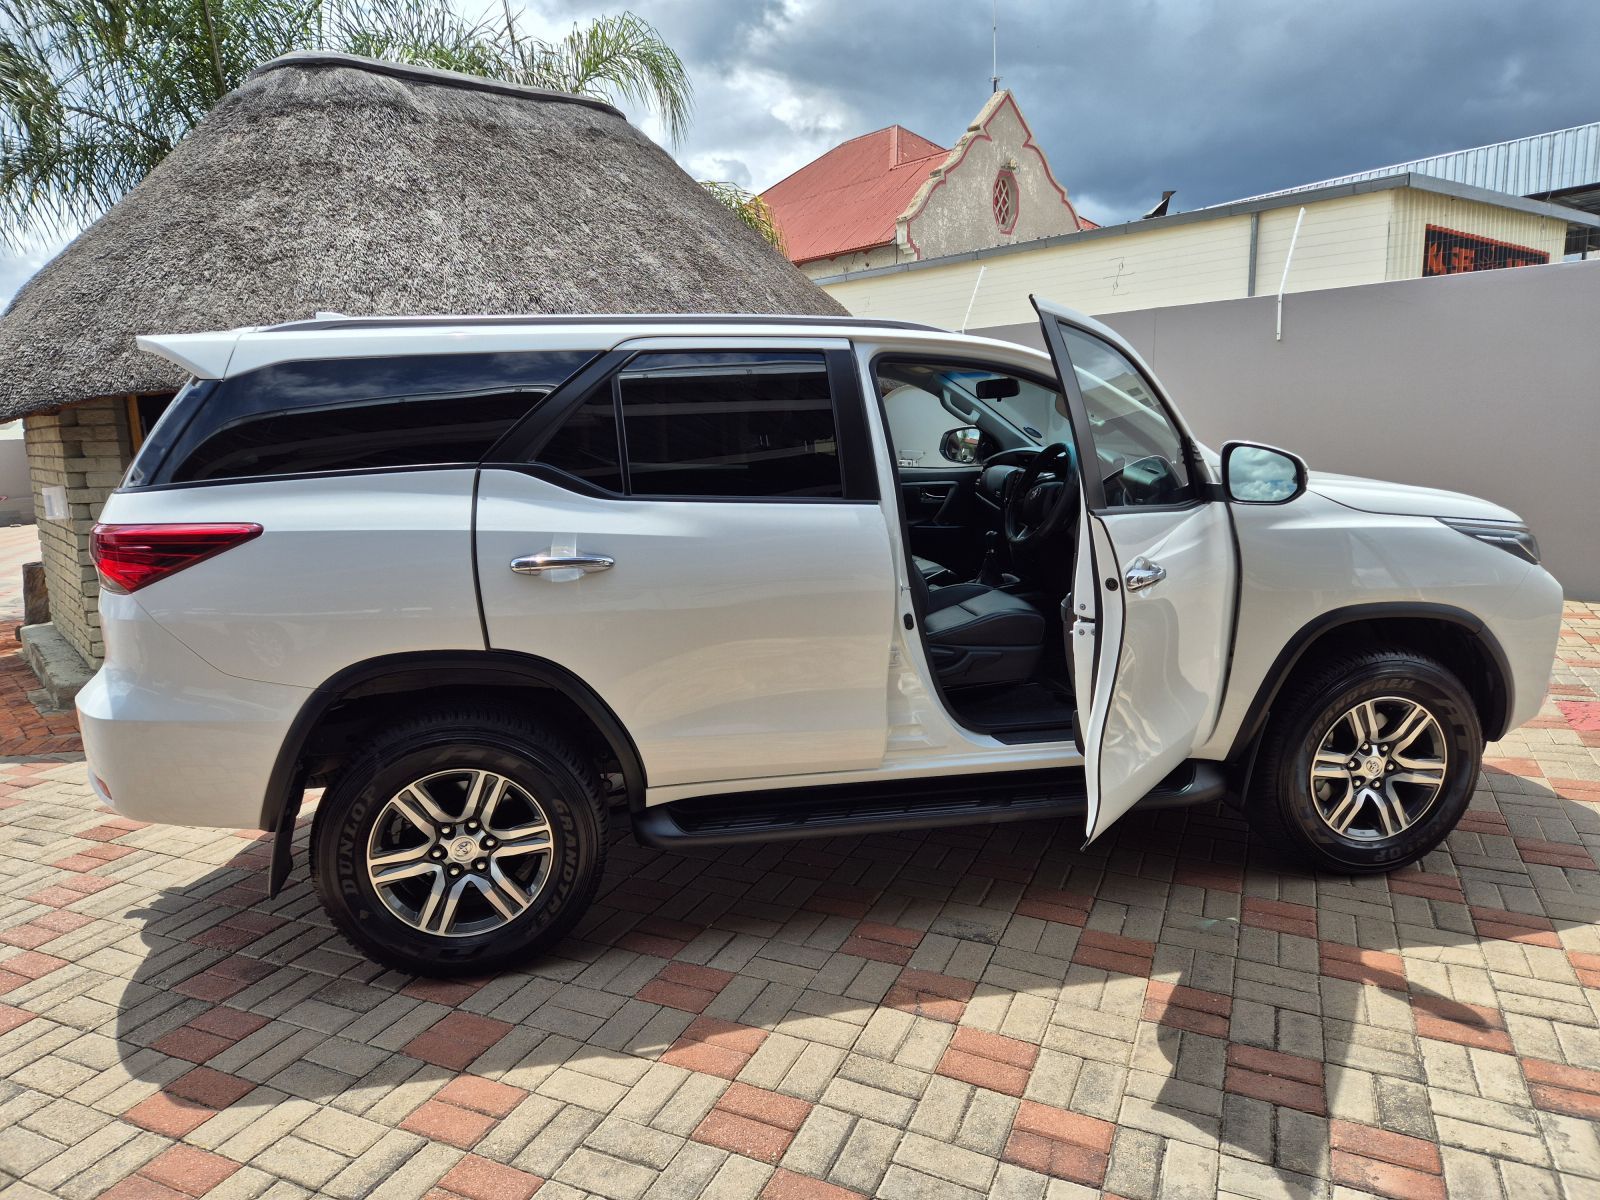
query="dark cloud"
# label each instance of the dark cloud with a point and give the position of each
(1218, 100)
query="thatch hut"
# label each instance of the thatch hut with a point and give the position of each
(330, 182)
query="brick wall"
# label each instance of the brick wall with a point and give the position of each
(84, 448)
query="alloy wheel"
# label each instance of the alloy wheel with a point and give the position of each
(1378, 768)
(460, 853)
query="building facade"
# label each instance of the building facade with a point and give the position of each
(1372, 231)
(893, 196)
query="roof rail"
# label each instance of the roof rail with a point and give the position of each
(332, 321)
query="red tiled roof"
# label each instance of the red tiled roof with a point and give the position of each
(849, 198)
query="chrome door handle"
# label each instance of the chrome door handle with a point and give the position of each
(537, 564)
(1143, 573)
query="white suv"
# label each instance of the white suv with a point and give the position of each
(747, 578)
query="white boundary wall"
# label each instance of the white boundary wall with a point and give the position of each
(1487, 383)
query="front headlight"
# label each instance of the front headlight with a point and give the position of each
(1511, 536)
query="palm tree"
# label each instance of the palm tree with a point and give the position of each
(94, 93)
(748, 207)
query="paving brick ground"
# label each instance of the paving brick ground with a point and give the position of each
(942, 1014)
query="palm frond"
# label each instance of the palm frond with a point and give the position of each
(618, 58)
(95, 93)
(749, 208)
(424, 33)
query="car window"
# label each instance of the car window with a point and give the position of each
(1140, 451)
(350, 414)
(756, 425)
(923, 400)
(586, 445)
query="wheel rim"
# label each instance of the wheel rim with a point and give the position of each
(460, 853)
(1378, 769)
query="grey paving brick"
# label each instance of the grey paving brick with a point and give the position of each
(865, 1156)
(818, 1142)
(946, 1161)
(634, 1142)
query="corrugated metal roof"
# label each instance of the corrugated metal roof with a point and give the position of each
(849, 198)
(1540, 165)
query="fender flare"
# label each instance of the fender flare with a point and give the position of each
(1241, 749)
(281, 804)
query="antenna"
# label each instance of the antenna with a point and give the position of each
(994, 46)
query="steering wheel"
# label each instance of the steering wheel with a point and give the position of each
(1036, 511)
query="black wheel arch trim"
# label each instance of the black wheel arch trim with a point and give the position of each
(281, 804)
(1255, 718)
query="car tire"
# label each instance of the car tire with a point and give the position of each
(1334, 788)
(391, 857)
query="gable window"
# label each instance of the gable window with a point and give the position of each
(1005, 200)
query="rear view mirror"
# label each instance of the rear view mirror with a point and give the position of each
(961, 445)
(1254, 474)
(998, 389)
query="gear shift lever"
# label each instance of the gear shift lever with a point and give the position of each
(989, 574)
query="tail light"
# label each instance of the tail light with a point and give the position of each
(129, 557)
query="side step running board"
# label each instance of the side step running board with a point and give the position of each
(854, 809)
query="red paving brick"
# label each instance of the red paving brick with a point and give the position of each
(1181, 1007)
(137, 1187)
(456, 1039)
(214, 1089)
(169, 1115)
(484, 1179)
(1465, 1024)
(440, 1122)
(481, 1095)
(1514, 927)
(715, 1047)
(1554, 854)
(1384, 1179)
(1285, 1079)
(1053, 904)
(1363, 966)
(1386, 1146)
(24, 729)
(685, 986)
(1278, 916)
(884, 943)
(1054, 1141)
(929, 994)
(195, 1045)
(189, 1170)
(753, 1122)
(1111, 952)
(787, 1185)
(1179, 878)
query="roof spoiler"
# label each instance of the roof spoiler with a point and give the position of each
(204, 355)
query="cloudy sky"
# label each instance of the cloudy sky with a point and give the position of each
(1216, 98)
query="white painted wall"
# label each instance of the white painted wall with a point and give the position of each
(16, 496)
(1344, 242)
(1481, 383)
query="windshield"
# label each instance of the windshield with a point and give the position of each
(1039, 413)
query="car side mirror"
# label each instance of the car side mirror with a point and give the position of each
(1256, 474)
(961, 445)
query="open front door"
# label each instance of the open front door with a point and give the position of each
(1155, 578)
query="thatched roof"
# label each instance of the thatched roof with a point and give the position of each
(328, 182)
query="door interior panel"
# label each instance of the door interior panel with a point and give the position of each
(943, 517)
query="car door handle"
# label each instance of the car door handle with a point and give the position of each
(537, 564)
(1143, 573)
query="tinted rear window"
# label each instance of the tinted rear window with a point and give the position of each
(358, 414)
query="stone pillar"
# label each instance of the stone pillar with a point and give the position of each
(83, 448)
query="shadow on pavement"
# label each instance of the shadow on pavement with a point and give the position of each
(1176, 994)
